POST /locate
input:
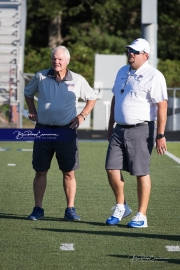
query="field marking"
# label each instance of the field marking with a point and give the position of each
(66, 246)
(172, 248)
(173, 157)
(4, 149)
(11, 164)
(25, 150)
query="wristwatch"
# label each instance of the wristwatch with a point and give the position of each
(160, 136)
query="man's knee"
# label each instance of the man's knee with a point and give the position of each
(69, 175)
(109, 171)
(112, 172)
(40, 174)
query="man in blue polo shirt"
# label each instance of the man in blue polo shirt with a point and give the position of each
(58, 91)
(140, 99)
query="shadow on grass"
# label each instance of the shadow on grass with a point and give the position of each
(112, 233)
(131, 233)
(24, 217)
(13, 216)
(142, 258)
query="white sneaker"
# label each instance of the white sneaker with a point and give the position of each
(138, 221)
(118, 214)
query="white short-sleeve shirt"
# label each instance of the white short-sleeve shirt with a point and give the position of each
(142, 90)
(57, 101)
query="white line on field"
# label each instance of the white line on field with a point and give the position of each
(66, 246)
(173, 157)
(172, 248)
(25, 150)
(11, 164)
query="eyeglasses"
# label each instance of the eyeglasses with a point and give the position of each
(130, 50)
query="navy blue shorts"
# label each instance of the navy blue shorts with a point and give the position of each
(65, 150)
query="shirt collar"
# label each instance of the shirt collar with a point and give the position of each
(67, 77)
(139, 69)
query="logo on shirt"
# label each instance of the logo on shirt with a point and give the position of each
(139, 77)
(70, 84)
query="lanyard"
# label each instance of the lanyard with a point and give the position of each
(127, 80)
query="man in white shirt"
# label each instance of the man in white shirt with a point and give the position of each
(58, 91)
(140, 99)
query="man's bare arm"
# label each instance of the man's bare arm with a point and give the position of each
(161, 124)
(32, 109)
(111, 119)
(80, 118)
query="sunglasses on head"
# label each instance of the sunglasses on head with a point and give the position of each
(130, 50)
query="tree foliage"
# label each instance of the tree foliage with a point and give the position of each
(171, 71)
(168, 29)
(98, 26)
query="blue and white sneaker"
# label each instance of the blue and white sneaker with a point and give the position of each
(118, 214)
(138, 221)
(70, 214)
(37, 213)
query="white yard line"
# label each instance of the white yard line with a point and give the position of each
(25, 150)
(172, 248)
(67, 246)
(11, 164)
(173, 157)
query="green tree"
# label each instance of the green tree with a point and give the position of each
(101, 26)
(39, 15)
(168, 29)
(171, 71)
(90, 24)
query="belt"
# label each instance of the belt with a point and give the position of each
(136, 125)
(53, 126)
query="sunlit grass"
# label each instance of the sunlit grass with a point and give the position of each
(36, 245)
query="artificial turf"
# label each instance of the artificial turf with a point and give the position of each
(36, 244)
(174, 148)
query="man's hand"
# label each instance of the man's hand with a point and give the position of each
(161, 146)
(33, 117)
(77, 121)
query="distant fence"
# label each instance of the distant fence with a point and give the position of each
(173, 120)
(102, 109)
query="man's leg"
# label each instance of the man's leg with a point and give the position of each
(121, 209)
(143, 192)
(116, 182)
(69, 184)
(39, 186)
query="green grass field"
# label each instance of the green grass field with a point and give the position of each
(174, 148)
(36, 244)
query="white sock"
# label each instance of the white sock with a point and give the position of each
(139, 213)
(120, 206)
